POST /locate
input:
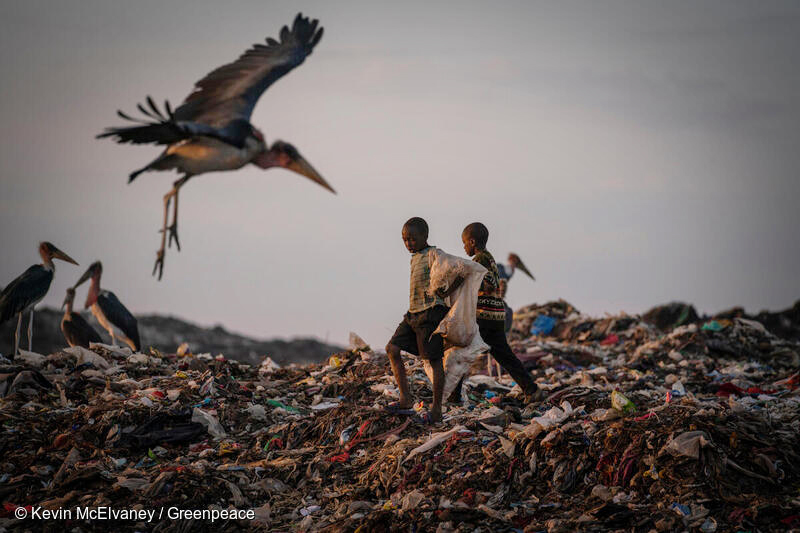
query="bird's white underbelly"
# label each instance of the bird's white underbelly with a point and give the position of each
(198, 156)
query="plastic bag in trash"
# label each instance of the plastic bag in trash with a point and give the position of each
(543, 325)
(688, 444)
(211, 423)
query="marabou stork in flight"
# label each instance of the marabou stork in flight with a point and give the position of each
(29, 288)
(109, 311)
(211, 130)
(76, 330)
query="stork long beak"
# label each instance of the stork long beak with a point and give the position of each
(86, 275)
(302, 167)
(58, 254)
(520, 265)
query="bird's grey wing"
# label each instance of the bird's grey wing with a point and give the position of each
(119, 315)
(161, 127)
(231, 91)
(28, 288)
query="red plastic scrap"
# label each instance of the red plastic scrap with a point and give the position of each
(792, 520)
(275, 443)
(610, 340)
(341, 458)
(469, 496)
(452, 441)
(9, 508)
(726, 389)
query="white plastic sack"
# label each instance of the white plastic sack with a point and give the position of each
(458, 328)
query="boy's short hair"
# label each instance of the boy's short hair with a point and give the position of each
(479, 232)
(417, 224)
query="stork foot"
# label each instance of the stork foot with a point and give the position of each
(173, 234)
(159, 266)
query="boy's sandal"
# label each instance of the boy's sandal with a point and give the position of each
(395, 409)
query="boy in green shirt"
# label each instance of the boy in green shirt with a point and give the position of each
(425, 311)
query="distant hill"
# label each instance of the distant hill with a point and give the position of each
(166, 333)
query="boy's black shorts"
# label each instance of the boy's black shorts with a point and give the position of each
(413, 335)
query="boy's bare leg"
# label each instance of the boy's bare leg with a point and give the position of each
(399, 371)
(438, 390)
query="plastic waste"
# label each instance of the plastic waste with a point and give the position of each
(211, 423)
(621, 403)
(543, 325)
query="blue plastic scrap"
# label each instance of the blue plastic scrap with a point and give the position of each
(543, 325)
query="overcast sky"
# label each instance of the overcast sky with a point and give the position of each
(631, 153)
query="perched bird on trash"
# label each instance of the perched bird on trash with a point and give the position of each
(29, 288)
(76, 330)
(109, 311)
(211, 130)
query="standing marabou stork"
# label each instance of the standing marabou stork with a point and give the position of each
(211, 130)
(109, 311)
(28, 289)
(76, 330)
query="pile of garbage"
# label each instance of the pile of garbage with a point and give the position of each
(694, 428)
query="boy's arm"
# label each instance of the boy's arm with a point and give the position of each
(444, 293)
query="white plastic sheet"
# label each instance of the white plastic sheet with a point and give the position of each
(435, 440)
(553, 418)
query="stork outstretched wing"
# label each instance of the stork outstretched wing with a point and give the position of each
(231, 91)
(221, 103)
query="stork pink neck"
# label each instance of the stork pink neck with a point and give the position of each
(47, 258)
(94, 291)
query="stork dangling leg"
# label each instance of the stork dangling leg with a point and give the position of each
(172, 229)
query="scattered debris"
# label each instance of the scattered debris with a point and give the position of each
(641, 427)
